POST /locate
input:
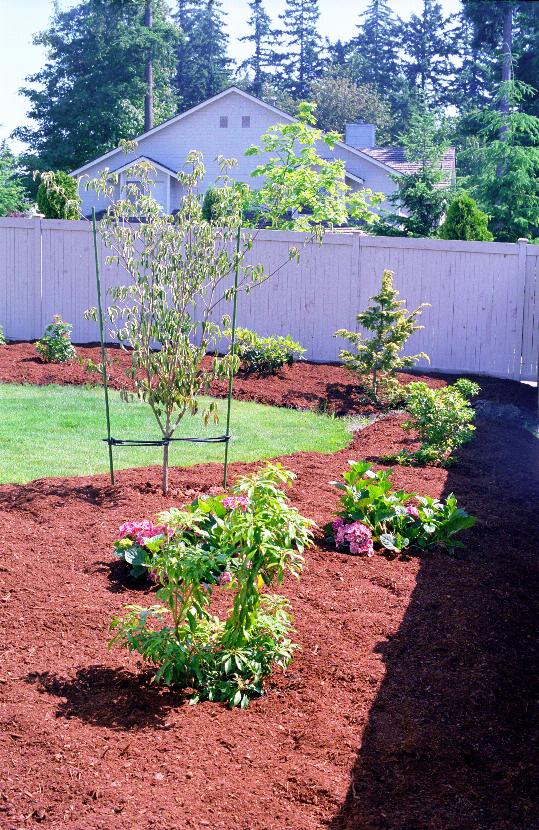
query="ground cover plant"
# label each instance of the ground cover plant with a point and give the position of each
(376, 359)
(57, 431)
(443, 419)
(374, 516)
(55, 346)
(242, 542)
(265, 355)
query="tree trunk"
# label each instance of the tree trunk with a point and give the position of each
(507, 49)
(148, 100)
(164, 485)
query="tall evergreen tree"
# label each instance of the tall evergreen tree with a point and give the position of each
(203, 65)
(472, 79)
(375, 49)
(303, 62)
(90, 93)
(427, 45)
(265, 42)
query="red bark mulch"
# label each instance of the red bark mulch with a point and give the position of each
(303, 386)
(409, 707)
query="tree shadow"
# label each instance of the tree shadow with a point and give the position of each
(114, 698)
(451, 741)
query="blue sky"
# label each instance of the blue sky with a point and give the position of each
(20, 19)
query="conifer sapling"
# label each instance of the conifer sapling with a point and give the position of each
(379, 356)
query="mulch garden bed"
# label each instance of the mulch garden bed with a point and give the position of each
(304, 385)
(409, 707)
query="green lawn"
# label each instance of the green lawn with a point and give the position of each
(56, 431)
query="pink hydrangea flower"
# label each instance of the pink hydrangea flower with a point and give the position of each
(412, 511)
(225, 578)
(233, 502)
(139, 532)
(357, 535)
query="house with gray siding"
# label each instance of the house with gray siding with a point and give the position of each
(226, 125)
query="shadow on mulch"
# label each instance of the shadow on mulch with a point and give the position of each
(452, 737)
(17, 497)
(112, 698)
(119, 580)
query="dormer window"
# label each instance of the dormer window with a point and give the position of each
(246, 121)
(223, 122)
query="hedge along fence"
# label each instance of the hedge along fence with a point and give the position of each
(484, 296)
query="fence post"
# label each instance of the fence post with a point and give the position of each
(522, 243)
(38, 280)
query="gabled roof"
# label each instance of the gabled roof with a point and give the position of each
(157, 164)
(232, 89)
(396, 157)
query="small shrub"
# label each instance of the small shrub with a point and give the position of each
(58, 196)
(373, 516)
(442, 418)
(465, 220)
(379, 357)
(265, 355)
(3, 340)
(55, 346)
(241, 543)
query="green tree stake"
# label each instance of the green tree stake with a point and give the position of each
(102, 342)
(232, 351)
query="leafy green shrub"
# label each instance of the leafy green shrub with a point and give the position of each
(379, 357)
(374, 516)
(443, 420)
(55, 346)
(265, 355)
(58, 196)
(241, 543)
(3, 340)
(464, 220)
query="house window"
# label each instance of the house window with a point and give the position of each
(223, 121)
(246, 121)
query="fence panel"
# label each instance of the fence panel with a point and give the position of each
(484, 298)
(20, 278)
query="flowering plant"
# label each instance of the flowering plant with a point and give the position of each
(137, 543)
(242, 543)
(55, 346)
(374, 516)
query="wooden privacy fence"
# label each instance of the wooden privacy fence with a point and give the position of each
(484, 296)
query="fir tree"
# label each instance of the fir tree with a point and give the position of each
(303, 62)
(375, 49)
(379, 357)
(428, 46)
(472, 79)
(265, 41)
(503, 165)
(90, 93)
(205, 67)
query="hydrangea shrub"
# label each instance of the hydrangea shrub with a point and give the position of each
(374, 516)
